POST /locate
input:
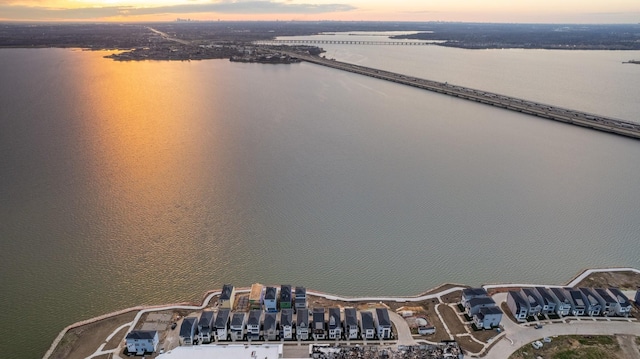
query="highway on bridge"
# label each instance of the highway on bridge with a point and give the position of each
(597, 122)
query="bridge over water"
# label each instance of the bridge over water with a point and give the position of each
(344, 42)
(579, 118)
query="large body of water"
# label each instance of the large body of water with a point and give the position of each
(150, 182)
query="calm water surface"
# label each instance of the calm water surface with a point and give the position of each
(145, 183)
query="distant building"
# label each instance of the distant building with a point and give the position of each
(205, 326)
(222, 324)
(227, 296)
(285, 296)
(188, 331)
(607, 303)
(271, 299)
(302, 324)
(593, 304)
(384, 323)
(579, 302)
(301, 297)
(140, 342)
(351, 326)
(637, 298)
(473, 305)
(535, 303)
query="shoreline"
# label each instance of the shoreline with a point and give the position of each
(428, 294)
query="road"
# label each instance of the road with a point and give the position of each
(579, 118)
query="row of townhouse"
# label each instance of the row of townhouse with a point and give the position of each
(319, 324)
(268, 298)
(529, 302)
(479, 306)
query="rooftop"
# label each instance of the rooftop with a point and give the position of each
(222, 318)
(383, 317)
(141, 334)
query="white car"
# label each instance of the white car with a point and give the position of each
(537, 344)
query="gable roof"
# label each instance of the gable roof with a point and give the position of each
(237, 319)
(303, 317)
(605, 295)
(334, 318)
(254, 317)
(285, 293)
(561, 295)
(518, 299)
(206, 318)
(301, 292)
(479, 301)
(547, 298)
(591, 298)
(142, 334)
(222, 318)
(186, 329)
(491, 310)
(286, 317)
(318, 318)
(350, 317)
(474, 292)
(577, 297)
(226, 292)
(269, 321)
(367, 320)
(383, 317)
(620, 297)
(270, 293)
(531, 296)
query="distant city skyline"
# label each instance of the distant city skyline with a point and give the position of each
(525, 11)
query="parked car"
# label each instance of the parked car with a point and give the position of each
(174, 325)
(537, 344)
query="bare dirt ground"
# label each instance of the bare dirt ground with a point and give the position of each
(83, 341)
(622, 280)
(628, 346)
(575, 346)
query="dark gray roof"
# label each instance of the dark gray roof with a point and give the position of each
(474, 292)
(226, 292)
(605, 295)
(577, 297)
(303, 317)
(591, 298)
(561, 294)
(517, 297)
(479, 301)
(254, 317)
(222, 318)
(206, 318)
(301, 292)
(270, 293)
(383, 317)
(318, 317)
(286, 317)
(187, 324)
(532, 297)
(620, 297)
(334, 318)
(350, 317)
(491, 310)
(285, 293)
(141, 334)
(237, 319)
(367, 320)
(269, 321)
(547, 298)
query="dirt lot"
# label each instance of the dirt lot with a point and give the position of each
(82, 341)
(622, 280)
(574, 346)
(469, 345)
(451, 318)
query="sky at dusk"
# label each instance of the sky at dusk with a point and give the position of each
(529, 11)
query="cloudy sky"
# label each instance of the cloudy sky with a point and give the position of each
(532, 11)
